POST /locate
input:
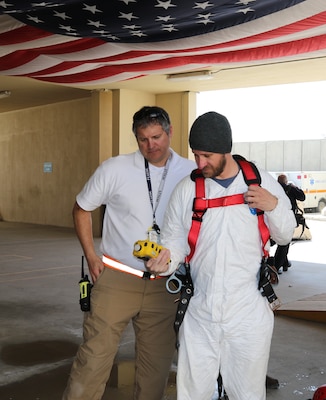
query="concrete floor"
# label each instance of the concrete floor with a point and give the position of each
(40, 319)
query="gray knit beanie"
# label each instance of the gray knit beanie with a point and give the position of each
(211, 132)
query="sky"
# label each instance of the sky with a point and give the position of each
(280, 112)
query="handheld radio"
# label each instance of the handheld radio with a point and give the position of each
(85, 287)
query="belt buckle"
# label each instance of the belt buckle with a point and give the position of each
(147, 275)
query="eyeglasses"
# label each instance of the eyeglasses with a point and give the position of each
(149, 113)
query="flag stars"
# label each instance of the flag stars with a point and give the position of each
(205, 21)
(101, 33)
(165, 4)
(206, 18)
(62, 15)
(131, 27)
(91, 9)
(3, 4)
(165, 19)
(128, 16)
(67, 28)
(34, 19)
(97, 24)
(169, 28)
(245, 2)
(41, 4)
(128, 21)
(246, 10)
(203, 5)
(112, 37)
(137, 33)
(128, 1)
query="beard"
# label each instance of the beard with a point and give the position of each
(211, 171)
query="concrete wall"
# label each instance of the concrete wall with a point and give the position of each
(182, 110)
(57, 134)
(292, 155)
(125, 104)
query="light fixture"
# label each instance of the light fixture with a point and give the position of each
(4, 93)
(191, 76)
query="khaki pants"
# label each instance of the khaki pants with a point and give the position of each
(116, 299)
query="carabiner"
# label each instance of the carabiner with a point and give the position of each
(173, 281)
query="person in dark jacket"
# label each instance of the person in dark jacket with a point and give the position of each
(294, 193)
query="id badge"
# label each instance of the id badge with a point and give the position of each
(154, 234)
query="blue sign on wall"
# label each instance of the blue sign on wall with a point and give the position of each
(47, 167)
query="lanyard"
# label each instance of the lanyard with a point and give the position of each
(160, 190)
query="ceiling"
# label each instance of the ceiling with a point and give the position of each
(57, 51)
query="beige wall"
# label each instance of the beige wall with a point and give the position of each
(180, 106)
(75, 136)
(58, 134)
(125, 104)
(182, 110)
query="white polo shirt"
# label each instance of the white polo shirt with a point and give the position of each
(120, 184)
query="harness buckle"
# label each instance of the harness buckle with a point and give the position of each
(275, 304)
(200, 204)
(199, 207)
(198, 217)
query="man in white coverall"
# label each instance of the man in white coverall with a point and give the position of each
(228, 325)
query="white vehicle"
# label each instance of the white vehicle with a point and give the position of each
(313, 183)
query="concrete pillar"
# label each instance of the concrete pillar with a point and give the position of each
(182, 110)
(102, 141)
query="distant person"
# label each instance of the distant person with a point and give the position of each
(294, 193)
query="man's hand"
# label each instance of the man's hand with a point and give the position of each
(258, 197)
(159, 264)
(95, 266)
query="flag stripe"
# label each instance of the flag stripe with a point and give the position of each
(21, 35)
(281, 51)
(292, 30)
(85, 44)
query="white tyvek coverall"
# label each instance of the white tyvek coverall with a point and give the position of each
(228, 325)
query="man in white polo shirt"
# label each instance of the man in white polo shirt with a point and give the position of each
(135, 188)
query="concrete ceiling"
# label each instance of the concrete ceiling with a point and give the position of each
(26, 92)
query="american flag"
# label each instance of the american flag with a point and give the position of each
(96, 42)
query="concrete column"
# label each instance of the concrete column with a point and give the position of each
(102, 141)
(182, 110)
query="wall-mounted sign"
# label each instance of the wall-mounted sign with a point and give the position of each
(47, 167)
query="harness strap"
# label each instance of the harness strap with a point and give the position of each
(187, 291)
(200, 206)
(252, 177)
(197, 216)
(264, 232)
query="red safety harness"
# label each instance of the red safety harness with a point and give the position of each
(200, 205)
